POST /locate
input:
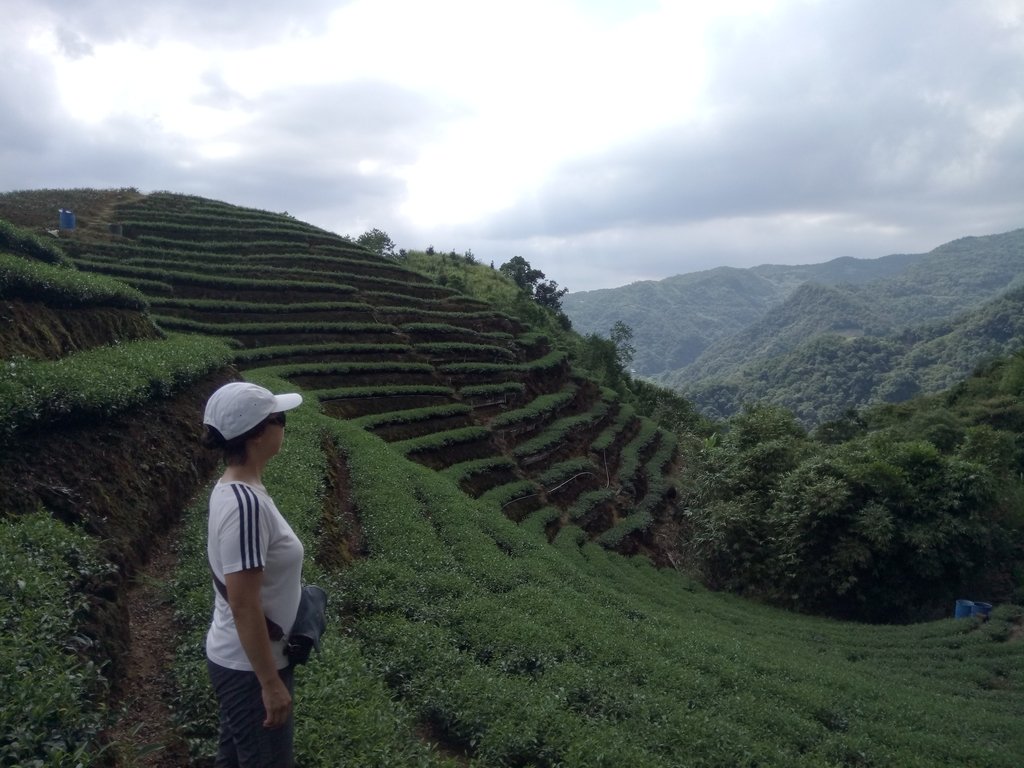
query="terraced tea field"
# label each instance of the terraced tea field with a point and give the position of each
(474, 506)
(364, 337)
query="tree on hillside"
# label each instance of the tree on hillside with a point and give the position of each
(668, 409)
(378, 241)
(729, 536)
(883, 530)
(531, 281)
(549, 295)
(521, 273)
(622, 338)
(598, 357)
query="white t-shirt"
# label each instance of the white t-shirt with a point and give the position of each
(245, 530)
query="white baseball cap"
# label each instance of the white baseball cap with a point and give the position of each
(237, 407)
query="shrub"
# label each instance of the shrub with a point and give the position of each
(51, 694)
(102, 381)
(25, 243)
(63, 286)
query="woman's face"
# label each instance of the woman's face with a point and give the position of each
(275, 432)
(268, 443)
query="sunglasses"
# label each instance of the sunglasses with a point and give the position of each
(276, 418)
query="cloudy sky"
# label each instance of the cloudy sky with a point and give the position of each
(606, 141)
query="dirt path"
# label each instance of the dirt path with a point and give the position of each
(143, 737)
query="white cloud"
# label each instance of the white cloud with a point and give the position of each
(607, 140)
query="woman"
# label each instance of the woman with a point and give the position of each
(256, 561)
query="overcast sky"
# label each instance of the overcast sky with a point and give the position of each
(606, 141)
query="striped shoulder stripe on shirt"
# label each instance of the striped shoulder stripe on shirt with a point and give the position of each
(248, 526)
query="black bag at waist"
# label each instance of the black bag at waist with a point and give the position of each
(310, 622)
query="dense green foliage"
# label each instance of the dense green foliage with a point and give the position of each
(531, 282)
(100, 382)
(49, 687)
(377, 241)
(24, 243)
(883, 516)
(63, 286)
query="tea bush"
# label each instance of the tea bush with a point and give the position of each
(503, 495)
(466, 469)
(383, 390)
(455, 330)
(102, 381)
(29, 245)
(455, 348)
(63, 286)
(262, 307)
(563, 471)
(437, 440)
(258, 354)
(411, 416)
(50, 690)
(500, 388)
(307, 369)
(256, 329)
(213, 280)
(541, 406)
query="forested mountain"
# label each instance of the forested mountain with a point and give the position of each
(819, 379)
(811, 310)
(832, 336)
(674, 320)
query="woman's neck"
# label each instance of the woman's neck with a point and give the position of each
(243, 473)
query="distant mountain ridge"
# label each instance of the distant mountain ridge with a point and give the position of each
(674, 320)
(727, 335)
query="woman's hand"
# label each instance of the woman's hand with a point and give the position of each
(277, 702)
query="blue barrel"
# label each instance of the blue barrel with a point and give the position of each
(981, 609)
(67, 219)
(964, 608)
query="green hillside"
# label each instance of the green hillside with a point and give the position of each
(812, 310)
(497, 531)
(799, 359)
(676, 319)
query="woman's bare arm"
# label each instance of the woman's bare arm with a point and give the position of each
(244, 598)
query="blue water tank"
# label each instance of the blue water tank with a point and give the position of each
(963, 609)
(67, 219)
(981, 609)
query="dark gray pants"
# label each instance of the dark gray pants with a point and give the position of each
(244, 742)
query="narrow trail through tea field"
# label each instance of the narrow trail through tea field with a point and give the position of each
(143, 736)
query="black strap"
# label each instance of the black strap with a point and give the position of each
(273, 629)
